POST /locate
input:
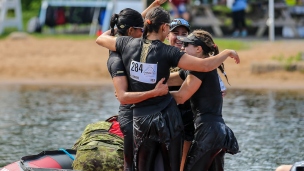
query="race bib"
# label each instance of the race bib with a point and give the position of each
(143, 72)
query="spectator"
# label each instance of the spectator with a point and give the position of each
(238, 16)
(179, 9)
(297, 166)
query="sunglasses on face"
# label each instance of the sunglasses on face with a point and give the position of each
(179, 22)
(141, 28)
(185, 44)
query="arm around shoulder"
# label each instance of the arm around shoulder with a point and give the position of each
(192, 63)
(188, 88)
(107, 41)
(125, 97)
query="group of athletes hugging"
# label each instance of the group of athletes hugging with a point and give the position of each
(170, 95)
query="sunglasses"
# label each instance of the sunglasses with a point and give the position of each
(141, 28)
(185, 44)
(179, 21)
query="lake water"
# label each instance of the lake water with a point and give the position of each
(269, 125)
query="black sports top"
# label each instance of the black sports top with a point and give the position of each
(207, 101)
(116, 68)
(146, 62)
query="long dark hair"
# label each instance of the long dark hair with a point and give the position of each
(124, 20)
(154, 19)
(211, 48)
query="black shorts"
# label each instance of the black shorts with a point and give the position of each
(162, 126)
(125, 119)
(159, 131)
(125, 116)
(211, 136)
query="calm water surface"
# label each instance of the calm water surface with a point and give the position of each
(269, 124)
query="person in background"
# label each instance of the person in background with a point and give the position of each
(180, 27)
(212, 138)
(298, 166)
(239, 18)
(179, 9)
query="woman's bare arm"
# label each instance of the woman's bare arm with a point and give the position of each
(188, 62)
(174, 79)
(107, 41)
(125, 97)
(188, 88)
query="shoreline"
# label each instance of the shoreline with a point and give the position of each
(108, 82)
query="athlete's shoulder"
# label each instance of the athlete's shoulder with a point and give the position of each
(114, 57)
(114, 54)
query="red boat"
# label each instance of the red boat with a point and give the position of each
(45, 161)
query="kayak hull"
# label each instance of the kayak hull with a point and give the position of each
(56, 159)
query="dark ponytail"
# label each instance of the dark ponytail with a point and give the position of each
(113, 22)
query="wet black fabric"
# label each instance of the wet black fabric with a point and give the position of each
(125, 119)
(115, 65)
(157, 122)
(210, 138)
(215, 162)
(208, 99)
(152, 109)
(187, 117)
(125, 114)
(183, 74)
(162, 130)
(218, 162)
(163, 55)
(186, 111)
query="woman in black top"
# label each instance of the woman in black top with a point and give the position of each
(212, 138)
(157, 121)
(129, 23)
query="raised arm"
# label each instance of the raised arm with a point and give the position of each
(188, 88)
(107, 41)
(155, 3)
(125, 97)
(188, 62)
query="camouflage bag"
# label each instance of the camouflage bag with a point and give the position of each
(99, 150)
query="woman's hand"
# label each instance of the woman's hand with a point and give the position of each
(233, 54)
(161, 88)
(159, 2)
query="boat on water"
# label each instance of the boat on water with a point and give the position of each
(54, 160)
